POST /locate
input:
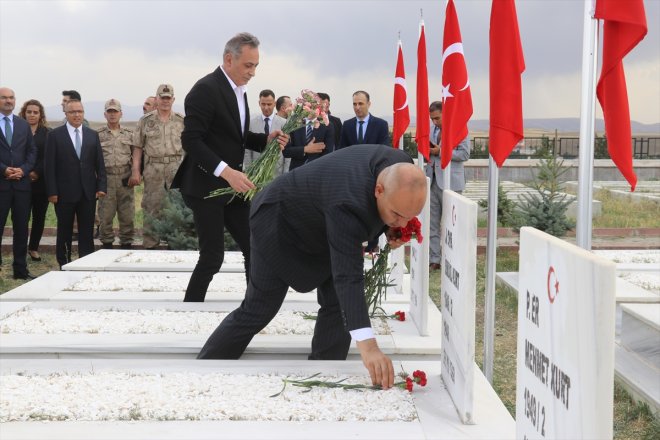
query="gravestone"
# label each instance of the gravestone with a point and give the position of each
(419, 272)
(565, 362)
(458, 292)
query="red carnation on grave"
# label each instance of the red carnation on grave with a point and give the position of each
(409, 384)
(419, 377)
(400, 315)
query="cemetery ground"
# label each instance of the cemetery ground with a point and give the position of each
(631, 420)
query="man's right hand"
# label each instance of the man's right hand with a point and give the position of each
(379, 365)
(52, 199)
(237, 180)
(434, 149)
(134, 180)
(314, 147)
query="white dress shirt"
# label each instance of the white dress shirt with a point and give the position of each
(239, 91)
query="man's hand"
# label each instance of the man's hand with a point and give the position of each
(135, 179)
(33, 176)
(12, 173)
(314, 147)
(434, 150)
(237, 180)
(380, 366)
(100, 194)
(52, 199)
(282, 138)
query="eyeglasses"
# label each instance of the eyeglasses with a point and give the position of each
(75, 112)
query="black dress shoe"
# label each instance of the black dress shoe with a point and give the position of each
(32, 257)
(27, 276)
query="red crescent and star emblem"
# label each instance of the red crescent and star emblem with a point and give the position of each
(553, 285)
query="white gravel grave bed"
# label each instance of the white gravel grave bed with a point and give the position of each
(149, 321)
(645, 280)
(173, 257)
(126, 395)
(631, 256)
(109, 282)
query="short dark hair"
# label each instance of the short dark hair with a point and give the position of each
(364, 93)
(72, 94)
(266, 93)
(435, 106)
(280, 102)
(323, 95)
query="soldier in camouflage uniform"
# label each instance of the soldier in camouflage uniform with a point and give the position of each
(157, 141)
(116, 143)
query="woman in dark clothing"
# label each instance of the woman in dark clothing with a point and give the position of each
(33, 112)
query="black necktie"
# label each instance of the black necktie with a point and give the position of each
(308, 134)
(360, 133)
(266, 127)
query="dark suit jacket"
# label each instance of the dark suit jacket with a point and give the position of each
(71, 178)
(336, 125)
(39, 186)
(296, 147)
(211, 134)
(21, 153)
(309, 224)
(377, 132)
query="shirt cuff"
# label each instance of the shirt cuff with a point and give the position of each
(361, 334)
(220, 168)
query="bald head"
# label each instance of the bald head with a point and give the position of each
(400, 193)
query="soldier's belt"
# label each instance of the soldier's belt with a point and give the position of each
(164, 159)
(118, 169)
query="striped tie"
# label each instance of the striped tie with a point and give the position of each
(308, 134)
(8, 133)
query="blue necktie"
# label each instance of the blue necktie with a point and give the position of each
(266, 127)
(360, 133)
(8, 133)
(308, 134)
(77, 143)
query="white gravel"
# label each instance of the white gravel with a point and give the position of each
(112, 282)
(122, 395)
(148, 321)
(631, 256)
(173, 257)
(647, 280)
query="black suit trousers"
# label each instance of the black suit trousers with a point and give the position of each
(19, 204)
(39, 209)
(84, 211)
(211, 217)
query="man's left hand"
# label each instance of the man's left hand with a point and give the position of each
(100, 194)
(282, 138)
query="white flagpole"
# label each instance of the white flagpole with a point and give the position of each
(491, 258)
(587, 117)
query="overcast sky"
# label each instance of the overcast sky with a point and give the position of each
(123, 49)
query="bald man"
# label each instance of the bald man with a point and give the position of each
(307, 229)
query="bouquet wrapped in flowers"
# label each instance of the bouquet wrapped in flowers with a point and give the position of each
(261, 171)
(376, 279)
(407, 382)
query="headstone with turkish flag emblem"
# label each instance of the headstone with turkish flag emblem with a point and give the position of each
(566, 318)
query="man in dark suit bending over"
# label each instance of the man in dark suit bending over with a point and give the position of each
(307, 229)
(215, 136)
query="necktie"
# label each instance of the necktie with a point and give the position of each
(266, 127)
(77, 143)
(360, 133)
(8, 133)
(308, 134)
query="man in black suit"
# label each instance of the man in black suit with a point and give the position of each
(75, 178)
(214, 138)
(307, 228)
(364, 128)
(309, 143)
(334, 121)
(18, 154)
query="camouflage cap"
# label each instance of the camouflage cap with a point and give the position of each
(113, 104)
(165, 90)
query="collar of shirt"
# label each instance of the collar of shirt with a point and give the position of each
(72, 134)
(270, 118)
(2, 122)
(366, 118)
(240, 92)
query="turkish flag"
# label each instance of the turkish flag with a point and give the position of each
(423, 123)
(506, 66)
(401, 110)
(624, 26)
(457, 107)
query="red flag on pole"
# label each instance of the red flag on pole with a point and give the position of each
(624, 26)
(401, 110)
(423, 123)
(457, 107)
(506, 66)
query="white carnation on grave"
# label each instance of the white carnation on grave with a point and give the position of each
(125, 395)
(149, 321)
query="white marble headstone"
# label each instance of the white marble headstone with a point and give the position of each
(565, 368)
(419, 272)
(458, 291)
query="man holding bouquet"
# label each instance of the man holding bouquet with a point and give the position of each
(214, 137)
(307, 229)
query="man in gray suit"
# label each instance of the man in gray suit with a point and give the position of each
(306, 231)
(266, 122)
(435, 172)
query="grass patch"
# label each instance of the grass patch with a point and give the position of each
(624, 213)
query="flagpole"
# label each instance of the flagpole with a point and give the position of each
(491, 255)
(587, 116)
